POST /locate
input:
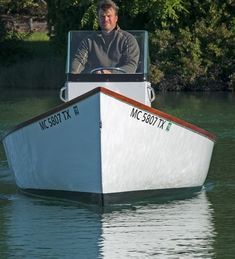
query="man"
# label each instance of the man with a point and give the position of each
(112, 47)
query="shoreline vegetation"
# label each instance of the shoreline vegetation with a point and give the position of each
(35, 64)
(191, 45)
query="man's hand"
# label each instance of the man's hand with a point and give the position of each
(104, 71)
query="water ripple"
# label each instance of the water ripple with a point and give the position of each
(38, 228)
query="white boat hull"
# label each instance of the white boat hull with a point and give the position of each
(103, 144)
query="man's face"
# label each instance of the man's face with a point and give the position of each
(108, 19)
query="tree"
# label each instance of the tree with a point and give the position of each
(191, 42)
(198, 51)
(10, 39)
(23, 7)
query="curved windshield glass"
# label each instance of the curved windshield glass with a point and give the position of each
(121, 52)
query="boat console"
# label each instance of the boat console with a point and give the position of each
(133, 85)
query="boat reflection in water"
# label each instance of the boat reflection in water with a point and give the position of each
(175, 229)
(182, 228)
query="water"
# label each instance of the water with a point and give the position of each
(199, 226)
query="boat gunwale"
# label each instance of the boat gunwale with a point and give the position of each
(162, 114)
(119, 97)
(137, 77)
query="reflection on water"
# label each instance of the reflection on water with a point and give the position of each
(53, 229)
(181, 228)
(39, 230)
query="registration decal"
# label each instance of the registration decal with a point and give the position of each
(58, 118)
(150, 119)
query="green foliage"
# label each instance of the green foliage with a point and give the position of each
(70, 15)
(191, 42)
(198, 52)
(11, 41)
(10, 45)
(20, 7)
(34, 64)
(3, 31)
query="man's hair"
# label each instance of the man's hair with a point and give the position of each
(106, 4)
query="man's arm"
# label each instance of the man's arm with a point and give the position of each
(131, 53)
(80, 58)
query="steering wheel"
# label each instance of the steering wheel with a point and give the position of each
(108, 68)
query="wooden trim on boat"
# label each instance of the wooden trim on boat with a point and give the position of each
(159, 113)
(50, 112)
(121, 98)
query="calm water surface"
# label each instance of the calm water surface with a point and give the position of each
(200, 226)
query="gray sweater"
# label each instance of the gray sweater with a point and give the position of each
(116, 49)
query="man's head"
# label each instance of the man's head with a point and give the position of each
(108, 15)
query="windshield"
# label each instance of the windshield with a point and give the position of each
(121, 52)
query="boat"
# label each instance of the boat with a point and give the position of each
(105, 143)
